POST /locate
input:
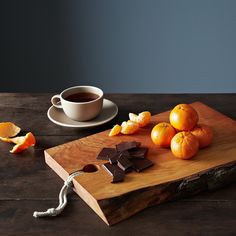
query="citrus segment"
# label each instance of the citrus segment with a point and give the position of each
(142, 119)
(129, 127)
(115, 130)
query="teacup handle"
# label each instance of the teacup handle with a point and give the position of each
(56, 101)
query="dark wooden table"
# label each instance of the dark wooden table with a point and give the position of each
(28, 184)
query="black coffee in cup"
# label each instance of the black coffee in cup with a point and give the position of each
(80, 103)
(81, 97)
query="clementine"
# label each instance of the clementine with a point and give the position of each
(183, 117)
(162, 134)
(204, 135)
(184, 145)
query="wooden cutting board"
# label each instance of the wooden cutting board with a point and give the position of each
(169, 178)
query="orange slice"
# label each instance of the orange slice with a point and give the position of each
(142, 119)
(8, 129)
(145, 118)
(129, 127)
(115, 130)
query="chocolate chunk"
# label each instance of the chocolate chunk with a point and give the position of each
(140, 152)
(106, 153)
(113, 159)
(117, 174)
(125, 153)
(140, 164)
(123, 146)
(124, 163)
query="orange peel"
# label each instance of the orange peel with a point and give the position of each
(15, 140)
(8, 129)
(22, 142)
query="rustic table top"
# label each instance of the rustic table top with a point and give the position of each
(28, 184)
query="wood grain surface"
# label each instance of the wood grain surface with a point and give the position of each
(28, 184)
(96, 188)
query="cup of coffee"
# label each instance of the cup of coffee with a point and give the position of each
(80, 103)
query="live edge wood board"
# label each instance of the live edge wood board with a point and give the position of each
(169, 178)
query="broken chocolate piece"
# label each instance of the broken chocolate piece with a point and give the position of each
(106, 153)
(140, 164)
(140, 152)
(125, 153)
(124, 163)
(113, 159)
(117, 174)
(126, 157)
(123, 146)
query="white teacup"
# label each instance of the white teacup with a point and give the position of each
(80, 103)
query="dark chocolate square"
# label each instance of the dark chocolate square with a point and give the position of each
(117, 174)
(124, 163)
(140, 164)
(139, 152)
(106, 153)
(125, 153)
(123, 146)
(113, 159)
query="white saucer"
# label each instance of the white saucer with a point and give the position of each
(109, 111)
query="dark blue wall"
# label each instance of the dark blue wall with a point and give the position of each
(120, 46)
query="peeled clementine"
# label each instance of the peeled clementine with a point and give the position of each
(142, 119)
(162, 134)
(129, 127)
(204, 135)
(183, 117)
(184, 145)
